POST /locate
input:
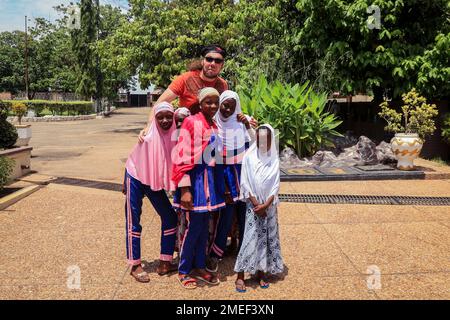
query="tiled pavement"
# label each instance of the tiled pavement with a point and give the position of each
(329, 249)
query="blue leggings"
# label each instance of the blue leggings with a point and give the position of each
(135, 192)
(193, 249)
(224, 227)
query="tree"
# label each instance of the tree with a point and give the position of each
(12, 64)
(84, 46)
(161, 37)
(114, 77)
(386, 61)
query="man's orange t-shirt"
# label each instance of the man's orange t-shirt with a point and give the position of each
(187, 85)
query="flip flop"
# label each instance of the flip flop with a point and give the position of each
(263, 284)
(240, 286)
(187, 282)
(208, 279)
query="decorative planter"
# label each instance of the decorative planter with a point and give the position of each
(22, 160)
(24, 133)
(406, 148)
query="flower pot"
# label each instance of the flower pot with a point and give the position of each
(406, 148)
(24, 133)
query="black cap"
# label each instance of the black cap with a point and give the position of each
(214, 48)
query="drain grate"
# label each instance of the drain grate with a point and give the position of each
(293, 197)
(357, 199)
(89, 184)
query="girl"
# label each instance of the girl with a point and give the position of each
(200, 187)
(233, 140)
(179, 116)
(260, 252)
(148, 172)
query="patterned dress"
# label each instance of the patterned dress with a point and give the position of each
(260, 250)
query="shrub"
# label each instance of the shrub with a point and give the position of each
(6, 167)
(4, 109)
(56, 107)
(19, 109)
(417, 115)
(446, 128)
(296, 111)
(8, 134)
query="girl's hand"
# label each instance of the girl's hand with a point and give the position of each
(260, 210)
(242, 118)
(186, 198)
(142, 134)
(228, 198)
(253, 201)
(254, 123)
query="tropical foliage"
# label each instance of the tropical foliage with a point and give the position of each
(296, 111)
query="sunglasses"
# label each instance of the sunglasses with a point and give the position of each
(216, 60)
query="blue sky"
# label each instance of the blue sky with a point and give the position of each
(13, 12)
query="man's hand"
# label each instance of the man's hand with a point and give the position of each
(142, 134)
(186, 198)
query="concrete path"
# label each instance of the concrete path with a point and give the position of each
(330, 251)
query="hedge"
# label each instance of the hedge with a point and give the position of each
(55, 107)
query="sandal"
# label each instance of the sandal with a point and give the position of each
(167, 271)
(141, 277)
(187, 282)
(263, 284)
(208, 278)
(240, 286)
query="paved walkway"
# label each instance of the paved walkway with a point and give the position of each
(329, 250)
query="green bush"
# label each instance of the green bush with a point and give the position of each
(6, 167)
(4, 110)
(296, 111)
(446, 128)
(55, 107)
(8, 134)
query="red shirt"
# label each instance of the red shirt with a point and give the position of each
(187, 85)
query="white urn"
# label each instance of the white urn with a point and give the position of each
(406, 147)
(24, 134)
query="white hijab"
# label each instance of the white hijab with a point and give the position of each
(260, 175)
(231, 132)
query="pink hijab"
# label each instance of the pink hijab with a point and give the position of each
(150, 162)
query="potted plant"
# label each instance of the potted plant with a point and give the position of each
(411, 127)
(23, 131)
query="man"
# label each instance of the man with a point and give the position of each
(187, 85)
